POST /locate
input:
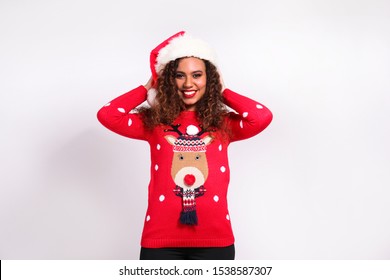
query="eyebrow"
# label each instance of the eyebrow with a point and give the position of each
(193, 72)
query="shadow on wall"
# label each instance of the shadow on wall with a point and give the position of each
(101, 182)
(97, 161)
(88, 203)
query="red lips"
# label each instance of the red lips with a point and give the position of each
(189, 93)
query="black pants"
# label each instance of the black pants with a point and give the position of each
(188, 253)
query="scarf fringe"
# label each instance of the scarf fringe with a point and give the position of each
(188, 218)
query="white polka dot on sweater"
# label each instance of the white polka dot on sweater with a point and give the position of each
(223, 169)
(245, 114)
(158, 146)
(258, 106)
(228, 217)
(147, 218)
(216, 198)
(156, 167)
(121, 110)
(130, 122)
(241, 124)
(220, 147)
(162, 198)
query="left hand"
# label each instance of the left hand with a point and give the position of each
(221, 81)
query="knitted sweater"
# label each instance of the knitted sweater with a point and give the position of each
(189, 172)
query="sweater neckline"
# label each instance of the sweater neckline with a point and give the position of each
(187, 114)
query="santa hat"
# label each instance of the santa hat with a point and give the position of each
(179, 45)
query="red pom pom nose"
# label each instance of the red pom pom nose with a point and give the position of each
(189, 180)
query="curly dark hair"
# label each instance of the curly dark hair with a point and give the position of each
(210, 108)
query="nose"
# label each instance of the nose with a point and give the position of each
(187, 82)
(189, 180)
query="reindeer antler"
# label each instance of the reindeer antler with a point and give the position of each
(202, 130)
(175, 129)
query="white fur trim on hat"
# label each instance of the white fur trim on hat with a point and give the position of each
(184, 46)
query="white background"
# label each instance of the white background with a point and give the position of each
(314, 185)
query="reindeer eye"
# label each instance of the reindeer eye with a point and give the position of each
(181, 157)
(197, 157)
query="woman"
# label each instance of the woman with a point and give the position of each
(188, 125)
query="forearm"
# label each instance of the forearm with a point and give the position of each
(251, 118)
(116, 116)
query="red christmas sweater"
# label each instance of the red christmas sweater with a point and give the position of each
(189, 172)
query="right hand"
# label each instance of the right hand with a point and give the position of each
(221, 81)
(152, 92)
(150, 83)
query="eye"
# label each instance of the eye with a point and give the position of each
(197, 75)
(181, 157)
(179, 75)
(197, 157)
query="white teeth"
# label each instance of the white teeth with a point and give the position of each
(189, 92)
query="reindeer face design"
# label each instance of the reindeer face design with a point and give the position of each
(189, 168)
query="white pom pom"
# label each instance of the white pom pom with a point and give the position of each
(151, 97)
(192, 130)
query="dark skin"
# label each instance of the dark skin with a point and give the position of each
(187, 84)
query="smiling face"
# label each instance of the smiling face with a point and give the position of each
(191, 81)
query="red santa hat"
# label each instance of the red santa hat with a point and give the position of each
(179, 45)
